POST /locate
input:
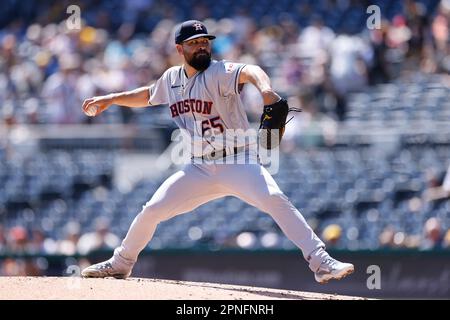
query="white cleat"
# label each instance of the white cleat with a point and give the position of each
(332, 269)
(104, 269)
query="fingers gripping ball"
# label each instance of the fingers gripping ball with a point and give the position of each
(91, 110)
(273, 123)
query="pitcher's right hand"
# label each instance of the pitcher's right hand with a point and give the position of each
(96, 105)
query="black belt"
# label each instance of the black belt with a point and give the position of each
(218, 154)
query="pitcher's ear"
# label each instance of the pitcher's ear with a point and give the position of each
(179, 49)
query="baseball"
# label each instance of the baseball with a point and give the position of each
(91, 111)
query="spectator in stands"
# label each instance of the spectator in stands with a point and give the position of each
(392, 238)
(398, 36)
(32, 268)
(292, 71)
(101, 238)
(432, 234)
(379, 70)
(332, 235)
(68, 246)
(40, 244)
(60, 91)
(310, 128)
(315, 38)
(2, 239)
(18, 240)
(438, 191)
(440, 32)
(12, 267)
(20, 267)
(417, 20)
(350, 55)
(386, 237)
(446, 242)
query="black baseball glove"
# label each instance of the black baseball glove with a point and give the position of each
(273, 123)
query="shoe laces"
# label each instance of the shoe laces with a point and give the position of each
(329, 262)
(104, 266)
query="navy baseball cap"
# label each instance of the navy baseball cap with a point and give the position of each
(191, 29)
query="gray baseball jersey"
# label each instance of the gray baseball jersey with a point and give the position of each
(206, 104)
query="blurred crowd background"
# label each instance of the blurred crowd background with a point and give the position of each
(319, 47)
(351, 81)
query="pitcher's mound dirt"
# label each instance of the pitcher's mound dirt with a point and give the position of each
(23, 288)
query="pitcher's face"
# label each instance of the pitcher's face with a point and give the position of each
(196, 52)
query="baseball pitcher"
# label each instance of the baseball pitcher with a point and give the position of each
(203, 98)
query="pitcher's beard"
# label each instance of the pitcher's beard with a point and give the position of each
(200, 62)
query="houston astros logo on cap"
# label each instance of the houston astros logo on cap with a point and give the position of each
(191, 29)
(198, 26)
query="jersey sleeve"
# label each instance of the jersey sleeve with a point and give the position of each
(228, 76)
(158, 91)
